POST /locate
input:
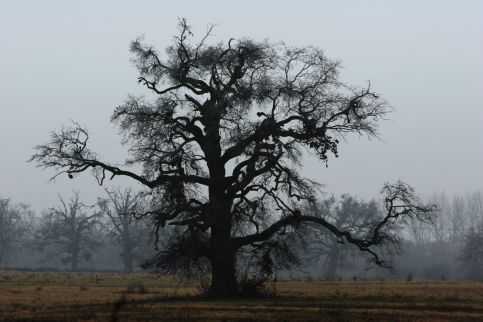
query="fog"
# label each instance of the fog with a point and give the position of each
(64, 61)
(70, 61)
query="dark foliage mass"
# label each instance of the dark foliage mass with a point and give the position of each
(221, 147)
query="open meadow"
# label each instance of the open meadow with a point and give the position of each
(65, 296)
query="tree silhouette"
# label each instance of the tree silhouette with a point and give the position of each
(471, 254)
(222, 144)
(350, 214)
(14, 229)
(122, 229)
(70, 229)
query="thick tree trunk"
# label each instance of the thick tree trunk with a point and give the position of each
(3, 258)
(223, 259)
(128, 259)
(128, 266)
(74, 264)
(222, 252)
(333, 262)
(223, 275)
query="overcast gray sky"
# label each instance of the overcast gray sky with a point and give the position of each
(69, 60)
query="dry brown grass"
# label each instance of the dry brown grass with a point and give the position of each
(30, 296)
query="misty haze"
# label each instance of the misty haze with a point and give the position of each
(255, 161)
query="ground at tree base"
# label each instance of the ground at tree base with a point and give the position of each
(59, 296)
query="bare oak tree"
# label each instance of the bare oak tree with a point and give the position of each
(222, 144)
(70, 230)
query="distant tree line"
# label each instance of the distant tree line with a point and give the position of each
(75, 234)
(450, 247)
(108, 235)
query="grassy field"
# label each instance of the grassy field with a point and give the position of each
(49, 296)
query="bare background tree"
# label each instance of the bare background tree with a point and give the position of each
(122, 227)
(14, 229)
(70, 229)
(221, 147)
(436, 250)
(349, 214)
(472, 253)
